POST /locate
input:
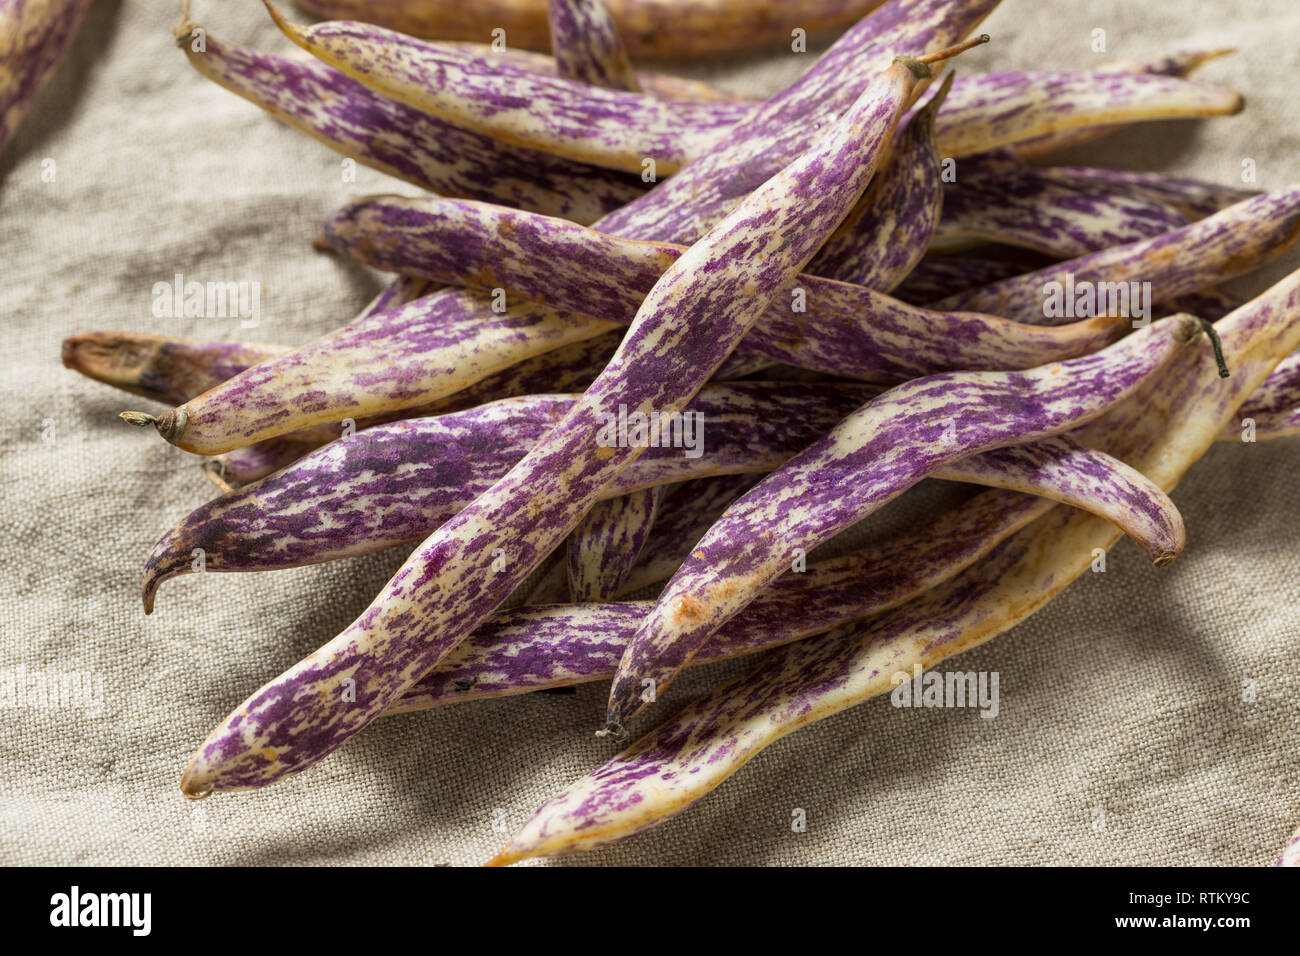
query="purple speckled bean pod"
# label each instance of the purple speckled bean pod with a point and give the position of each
(515, 652)
(1198, 255)
(605, 545)
(336, 110)
(988, 110)
(842, 329)
(495, 97)
(432, 347)
(1291, 852)
(1162, 430)
(165, 369)
(33, 36)
(685, 206)
(887, 234)
(1194, 198)
(530, 648)
(468, 340)
(1181, 64)
(690, 321)
(1273, 409)
(997, 198)
(587, 46)
(649, 27)
(868, 459)
(397, 483)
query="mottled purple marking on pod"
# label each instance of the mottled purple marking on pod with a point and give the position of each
(997, 198)
(867, 460)
(987, 110)
(497, 97)
(1162, 430)
(397, 483)
(336, 110)
(587, 46)
(1274, 408)
(691, 320)
(1204, 253)
(887, 234)
(606, 544)
(517, 651)
(475, 340)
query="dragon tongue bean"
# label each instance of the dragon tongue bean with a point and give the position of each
(689, 322)
(613, 128)
(1161, 430)
(865, 461)
(530, 648)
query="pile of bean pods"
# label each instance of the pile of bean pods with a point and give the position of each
(592, 244)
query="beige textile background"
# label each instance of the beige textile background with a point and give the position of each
(1121, 703)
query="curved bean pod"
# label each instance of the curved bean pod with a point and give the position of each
(172, 371)
(1194, 198)
(396, 483)
(605, 545)
(886, 236)
(680, 208)
(388, 136)
(989, 110)
(650, 28)
(1162, 431)
(587, 46)
(615, 129)
(165, 369)
(33, 36)
(691, 320)
(997, 198)
(867, 460)
(843, 330)
(685, 206)
(1180, 64)
(526, 649)
(1201, 254)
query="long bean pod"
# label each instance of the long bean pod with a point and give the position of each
(690, 321)
(611, 128)
(1162, 431)
(1204, 253)
(530, 648)
(865, 461)
(395, 139)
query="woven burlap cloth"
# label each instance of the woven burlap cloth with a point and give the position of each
(1146, 716)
